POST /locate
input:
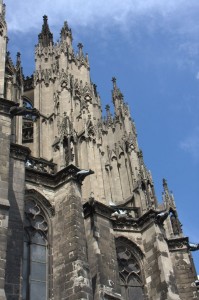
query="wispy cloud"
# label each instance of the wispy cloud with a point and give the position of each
(26, 15)
(175, 23)
(191, 144)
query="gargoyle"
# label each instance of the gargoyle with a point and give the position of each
(23, 111)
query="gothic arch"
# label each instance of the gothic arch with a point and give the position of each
(37, 256)
(45, 204)
(130, 265)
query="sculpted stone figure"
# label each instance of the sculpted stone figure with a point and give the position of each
(23, 111)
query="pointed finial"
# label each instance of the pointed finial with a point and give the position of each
(95, 89)
(18, 59)
(140, 154)
(45, 37)
(114, 82)
(107, 107)
(65, 31)
(165, 186)
(66, 25)
(2, 9)
(80, 46)
(45, 18)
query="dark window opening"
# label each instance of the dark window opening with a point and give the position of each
(35, 255)
(27, 125)
(132, 287)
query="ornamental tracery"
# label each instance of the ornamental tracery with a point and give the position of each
(130, 272)
(34, 217)
(35, 253)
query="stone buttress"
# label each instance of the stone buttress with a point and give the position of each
(64, 234)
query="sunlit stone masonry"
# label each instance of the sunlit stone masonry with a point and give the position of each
(79, 218)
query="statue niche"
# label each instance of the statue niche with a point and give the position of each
(68, 150)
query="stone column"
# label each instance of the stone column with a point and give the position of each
(5, 135)
(102, 253)
(70, 262)
(14, 255)
(159, 273)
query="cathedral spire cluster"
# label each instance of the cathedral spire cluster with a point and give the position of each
(75, 236)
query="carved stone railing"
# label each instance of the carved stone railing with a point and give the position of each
(41, 165)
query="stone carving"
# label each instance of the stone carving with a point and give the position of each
(64, 80)
(161, 217)
(40, 165)
(35, 217)
(23, 111)
(178, 243)
(65, 128)
(82, 174)
(27, 132)
(19, 151)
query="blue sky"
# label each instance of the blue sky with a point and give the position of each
(152, 48)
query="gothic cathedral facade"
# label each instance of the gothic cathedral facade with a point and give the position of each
(79, 218)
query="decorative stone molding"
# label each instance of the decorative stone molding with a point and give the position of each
(124, 223)
(42, 200)
(53, 180)
(19, 152)
(177, 244)
(5, 106)
(41, 165)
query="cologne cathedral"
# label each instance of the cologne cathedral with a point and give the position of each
(79, 218)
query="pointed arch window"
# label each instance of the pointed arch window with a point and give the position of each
(27, 125)
(130, 272)
(35, 256)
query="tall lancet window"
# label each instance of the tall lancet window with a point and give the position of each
(130, 273)
(35, 256)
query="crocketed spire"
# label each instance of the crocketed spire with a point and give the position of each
(45, 37)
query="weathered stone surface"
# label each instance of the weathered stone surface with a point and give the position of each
(105, 234)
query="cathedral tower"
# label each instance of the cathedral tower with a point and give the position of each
(79, 218)
(3, 46)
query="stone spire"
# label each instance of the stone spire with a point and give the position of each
(80, 52)
(19, 70)
(3, 46)
(117, 98)
(66, 32)
(2, 9)
(167, 196)
(116, 93)
(45, 37)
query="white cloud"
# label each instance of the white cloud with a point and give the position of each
(26, 15)
(191, 144)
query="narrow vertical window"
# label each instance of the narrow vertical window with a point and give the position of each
(35, 256)
(27, 125)
(130, 273)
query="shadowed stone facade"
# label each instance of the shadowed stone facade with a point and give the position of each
(79, 218)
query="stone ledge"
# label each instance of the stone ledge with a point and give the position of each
(19, 152)
(4, 203)
(2, 294)
(52, 180)
(5, 106)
